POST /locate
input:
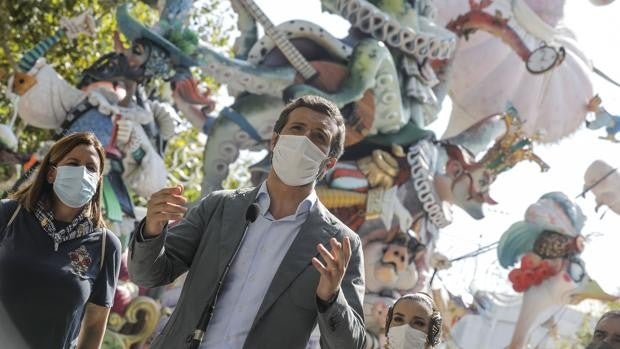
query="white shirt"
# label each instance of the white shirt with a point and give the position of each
(263, 249)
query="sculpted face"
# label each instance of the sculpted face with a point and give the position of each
(120, 65)
(392, 265)
(137, 55)
(468, 189)
(604, 182)
(395, 261)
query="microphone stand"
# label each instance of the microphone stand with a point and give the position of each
(197, 336)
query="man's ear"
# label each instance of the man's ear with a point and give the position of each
(326, 165)
(51, 174)
(330, 163)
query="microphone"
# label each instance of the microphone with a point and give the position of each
(251, 214)
(197, 336)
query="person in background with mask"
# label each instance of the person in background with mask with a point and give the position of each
(413, 322)
(607, 332)
(58, 263)
(297, 264)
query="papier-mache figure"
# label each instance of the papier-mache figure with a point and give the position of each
(390, 265)
(381, 77)
(106, 102)
(519, 51)
(419, 182)
(391, 270)
(603, 119)
(383, 188)
(603, 181)
(548, 243)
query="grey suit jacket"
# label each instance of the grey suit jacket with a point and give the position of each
(203, 243)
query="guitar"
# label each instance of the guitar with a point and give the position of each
(324, 75)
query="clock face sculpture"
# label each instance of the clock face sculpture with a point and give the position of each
(544, 58)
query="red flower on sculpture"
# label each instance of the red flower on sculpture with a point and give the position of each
(533, 271)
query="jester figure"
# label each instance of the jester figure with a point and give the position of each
(108, 103)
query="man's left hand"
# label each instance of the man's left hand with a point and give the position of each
(332, 272)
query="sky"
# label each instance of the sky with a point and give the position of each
(596, 29)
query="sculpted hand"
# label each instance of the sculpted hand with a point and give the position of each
(165, 116)
(124, 131)
(163, 206)
(83, 23)
(594, 103)
(332, 272)
(130, 137)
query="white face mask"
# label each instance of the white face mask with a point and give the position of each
(296, 160)
(75, 185)
(406, 337)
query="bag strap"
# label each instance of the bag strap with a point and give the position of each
(19, 207)
(12, 217)
(103, 241)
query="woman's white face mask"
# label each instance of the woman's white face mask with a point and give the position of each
(406, 337)
(75, 185)
(296, 160)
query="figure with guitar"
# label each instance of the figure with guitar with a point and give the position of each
(395, 178)
(380, 75)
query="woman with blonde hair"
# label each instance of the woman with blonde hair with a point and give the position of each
(58, 263)
(413, 322)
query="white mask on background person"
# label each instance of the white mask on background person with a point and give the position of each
(406, 337)
(75, 185)
(296, 160)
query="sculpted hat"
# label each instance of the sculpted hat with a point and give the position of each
(170, 35)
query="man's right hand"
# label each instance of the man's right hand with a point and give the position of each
(163, 206)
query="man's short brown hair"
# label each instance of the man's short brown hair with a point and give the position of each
(319, 105)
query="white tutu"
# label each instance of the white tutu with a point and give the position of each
(487, 74)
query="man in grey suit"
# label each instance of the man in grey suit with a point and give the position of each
(283, 279)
